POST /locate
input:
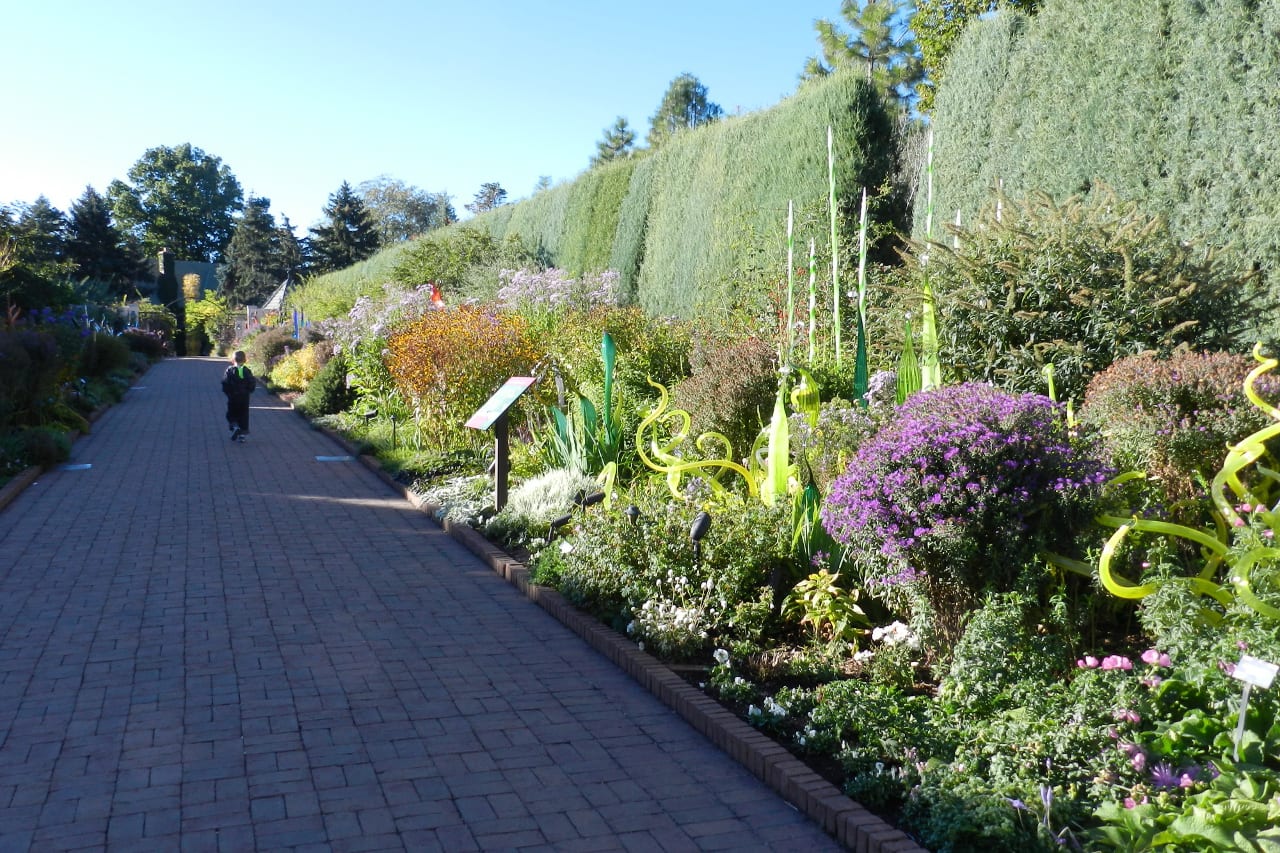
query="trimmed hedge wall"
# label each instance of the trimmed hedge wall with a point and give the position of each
(1173, 105)
(672, 222)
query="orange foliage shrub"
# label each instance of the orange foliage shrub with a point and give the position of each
(449, 362)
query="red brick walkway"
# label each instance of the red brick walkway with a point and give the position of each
(217, 646)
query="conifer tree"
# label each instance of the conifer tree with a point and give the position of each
(619, 140)
(96, 248)
(252, 270)
(683, 106)
(348, 237)
(890, 61)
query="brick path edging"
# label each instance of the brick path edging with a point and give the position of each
(848, 821)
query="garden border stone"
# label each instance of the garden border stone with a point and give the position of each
(846, 820)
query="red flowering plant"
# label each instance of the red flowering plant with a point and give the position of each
(958, 492)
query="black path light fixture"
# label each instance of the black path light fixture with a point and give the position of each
(393, 430)
(368, 418)
(697, 530)
(632, 512)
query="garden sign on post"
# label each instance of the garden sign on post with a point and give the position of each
(494, 414)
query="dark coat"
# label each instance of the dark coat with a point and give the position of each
(238, 382)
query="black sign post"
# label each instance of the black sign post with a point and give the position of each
(493, 414)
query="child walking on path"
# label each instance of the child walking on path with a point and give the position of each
(238, 383)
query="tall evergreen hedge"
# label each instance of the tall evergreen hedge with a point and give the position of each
(1172, 104)
(672, 223)
(690, 227)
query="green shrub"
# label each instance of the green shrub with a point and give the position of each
(267, 347)
(644, 573)
(463, 261)
(327, 393)
(152, 345)
(44, 446)
(102, 354)
(1075, 285)
(1174, 417)
(731, 391)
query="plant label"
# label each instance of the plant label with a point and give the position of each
(1255, 671)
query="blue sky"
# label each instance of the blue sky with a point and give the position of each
(296, 96)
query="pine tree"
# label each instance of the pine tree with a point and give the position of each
(96, 247)
(252, 270)
(350, 235)
(618, 142)
(890, 62)
(683, 106)
(489, 196)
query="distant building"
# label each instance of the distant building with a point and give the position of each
(206, 271)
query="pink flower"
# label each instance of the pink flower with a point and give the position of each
(1237, 522)
(1129, 802)
(1242, 645)
(1139, 761)
(1152, 681)
(1089, 662)
(1151, 656)
(1228, 668)
(1185, 781)
(1116, 662)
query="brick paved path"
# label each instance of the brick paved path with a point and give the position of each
(214, 646)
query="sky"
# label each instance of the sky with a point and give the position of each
(297, 96)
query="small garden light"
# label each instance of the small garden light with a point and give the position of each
(556, 524)
(701, 524)
(632, 512)
(369, 416)
(393, 431)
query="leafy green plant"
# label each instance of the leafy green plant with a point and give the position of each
(832, 613)
(590, 439)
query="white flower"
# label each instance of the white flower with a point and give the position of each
(722, 657)
(753, 711)
(565, 546)
(738, 679)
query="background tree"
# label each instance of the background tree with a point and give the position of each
(41, 235)
(96, 248)
(401, 211)
(181, 199)
(619, 141)
(684, 105)
(890, 61)
(253, 268)
(938, 23)
(543, 183)
(348, 237)
(295, 252)
(23, 283)
(489, 196)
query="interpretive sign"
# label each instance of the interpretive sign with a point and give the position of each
(494, 414)
(501, 401)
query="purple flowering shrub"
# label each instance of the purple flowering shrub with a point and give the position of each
(959, 491)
